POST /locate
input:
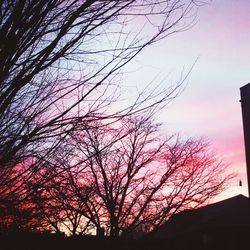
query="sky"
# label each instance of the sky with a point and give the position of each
(209, 105)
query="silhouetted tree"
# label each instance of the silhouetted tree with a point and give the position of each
(59, 66)
(59, 205)
(136, 179)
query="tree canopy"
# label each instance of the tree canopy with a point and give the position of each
(69, 159)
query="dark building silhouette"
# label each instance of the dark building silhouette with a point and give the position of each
(222, 225)
(245, 107)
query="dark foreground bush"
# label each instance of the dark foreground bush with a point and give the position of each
(47, 241)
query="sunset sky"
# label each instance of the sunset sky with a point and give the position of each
(209, 106)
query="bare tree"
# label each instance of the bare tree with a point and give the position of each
(54, 51)
(136, 178)
(62, 210)
(59, 67)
